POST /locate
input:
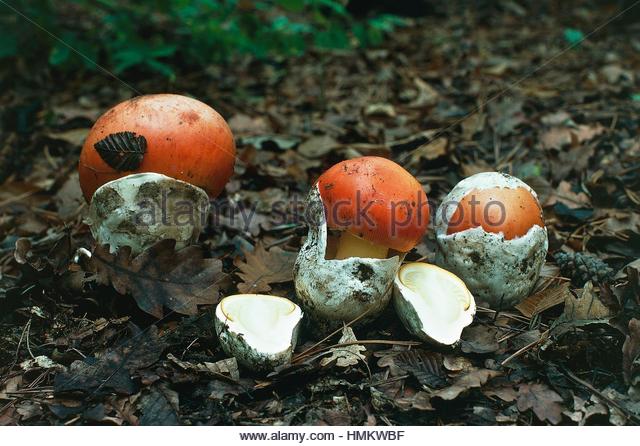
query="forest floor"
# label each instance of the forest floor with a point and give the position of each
(447, 97)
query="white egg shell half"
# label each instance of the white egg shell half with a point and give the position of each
(141, 209)
(260, 331)
(333, 292)
(500, 273)
(432, 303)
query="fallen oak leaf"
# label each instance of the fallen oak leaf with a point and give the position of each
(345, 355)
(557, 137)
(225, 368)
(160, 276)
(542, 400)
(263, 267)
(586, 307)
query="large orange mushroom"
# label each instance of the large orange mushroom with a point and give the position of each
(511, 212)
(376, 204)
(168, 134)
(380, 212)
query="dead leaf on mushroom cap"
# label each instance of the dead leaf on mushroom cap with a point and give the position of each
(263, 267)
(161, 277)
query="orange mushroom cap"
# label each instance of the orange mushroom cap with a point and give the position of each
(376, 199)
(169, 134)
(512, 211)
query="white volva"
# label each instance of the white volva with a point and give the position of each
(260, 331)
(432, 303)
(141, 209)
(499, 273)
(337, 291)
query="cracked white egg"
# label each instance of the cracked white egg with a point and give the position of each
(139, 210)
(336, 291)
(433, 304)
(259, 330)
(490, 232)
(364, 214)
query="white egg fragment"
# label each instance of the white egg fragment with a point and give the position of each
(499, 270)
(141, 209)
(260, 331)
(331, 291)
(433, 304)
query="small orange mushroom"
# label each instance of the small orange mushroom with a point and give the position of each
(511, 211)
(169, 134)
(376, 204)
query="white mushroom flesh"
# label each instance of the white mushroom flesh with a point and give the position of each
(433, 304)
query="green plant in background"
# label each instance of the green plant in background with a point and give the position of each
(159, 36)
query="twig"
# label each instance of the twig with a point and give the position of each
(601, 395)
(527, 347)
(329, 336)
(346, 344)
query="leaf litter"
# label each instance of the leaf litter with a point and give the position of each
(72, 351)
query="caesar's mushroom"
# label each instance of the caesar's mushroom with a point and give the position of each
(260, 331)
(364, 215)
(183, 148)
(490, 232)
(433, 304)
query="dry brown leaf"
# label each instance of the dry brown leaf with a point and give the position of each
(161, 277)
(543, 300)
(74, 137)
(473, 124)
(564, 194)
(317, 146)
(430, 151)
(631, 354)
(347, 355)
(69, 199)
(245, 125)
(586, 307)
(427, 95)
(479, 339)
(424, 365)
(506, 114)
(263, 267)
(380, 110)
(507, 394)
(558, 137)
(475, 378)
(224, 368)
(558, 118)
(542, 400)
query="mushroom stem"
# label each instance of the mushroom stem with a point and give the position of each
(351, 245)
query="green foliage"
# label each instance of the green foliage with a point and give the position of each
(159, 36)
